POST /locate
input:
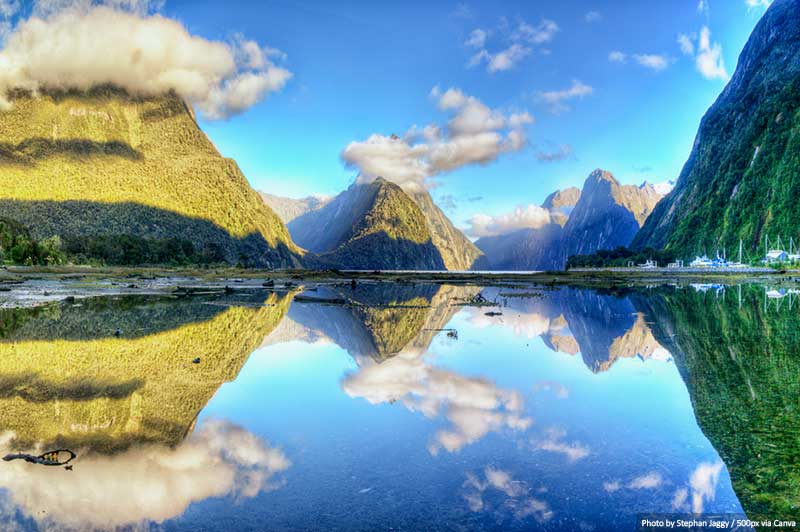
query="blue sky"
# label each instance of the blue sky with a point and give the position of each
(361, 68)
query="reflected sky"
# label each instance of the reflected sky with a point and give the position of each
(562, 412)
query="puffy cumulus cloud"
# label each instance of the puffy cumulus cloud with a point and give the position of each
(474, 134)
(473, 406)
(752, 4)
(522, 217)
(702, 488)
(707, 56)
(480, 492)
(617, 57)
(149, 483)
(77, 45)
(520, 42)
(709, 61)
(556, 100)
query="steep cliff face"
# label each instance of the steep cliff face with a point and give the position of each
(741, 179)
(457, 252)
(607, 215)
(103, 163)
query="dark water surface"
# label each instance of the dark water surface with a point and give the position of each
(401, 406)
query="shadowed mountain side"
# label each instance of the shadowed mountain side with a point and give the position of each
(78, 219)
(742, 369)
(169, 389)
(381, 320)
(31, 150)
(525, 249)
(103, 162)
(379, 251)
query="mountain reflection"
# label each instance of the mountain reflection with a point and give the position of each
(114, 380)
(739, 358)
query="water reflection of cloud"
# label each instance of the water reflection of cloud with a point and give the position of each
(554, 442)
(148, 483)
(517, 495)
(558, 389)
(473, 406)
(702, 488)
(650, 480)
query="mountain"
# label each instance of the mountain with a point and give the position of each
(457, 252)
(560, 204)
(369, 226)
(603, 215)
(741, 179)
(288, 209)
(102, 164)
(429, 241)
(607, 215)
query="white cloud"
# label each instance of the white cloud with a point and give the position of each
(522, 40)
(543, 32)
(758, 3)
(686, 44)
(77, 45)
(617, 57)
(473, 406)
(611, 487)
(709, 60)
(652, 61)
(555, 99)
(476, 39)
(558, 153)
(506, 59)
(475, 134)
(522, 217)
(592, 16)
(703, 8)
(148, 483)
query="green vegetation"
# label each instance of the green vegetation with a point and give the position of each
(131, 250)
(742, 177)
(742, 368)
(620, 257)
(18, 247)
(102, 163)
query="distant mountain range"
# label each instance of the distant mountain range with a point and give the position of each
(604, 215)
(741, 180)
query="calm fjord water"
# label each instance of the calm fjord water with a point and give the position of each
(401, 406)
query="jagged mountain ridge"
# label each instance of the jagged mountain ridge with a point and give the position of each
(288, 209)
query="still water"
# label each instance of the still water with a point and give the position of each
(400, 406)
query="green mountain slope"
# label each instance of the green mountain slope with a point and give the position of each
(742, 178)
(375, 226)
(104, 163)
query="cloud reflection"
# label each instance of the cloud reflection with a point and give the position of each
(702, 488)
(148, 483)
(473, 406)
(517, 495)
